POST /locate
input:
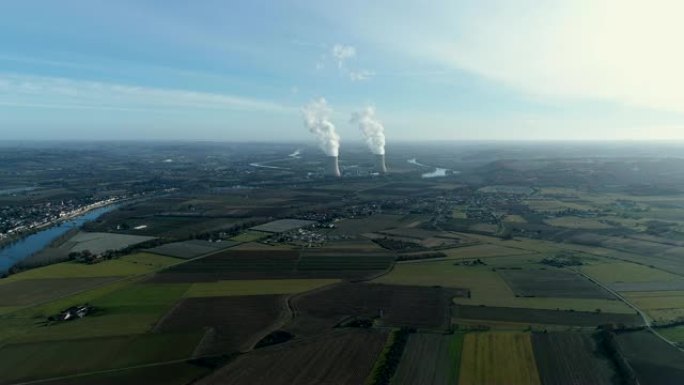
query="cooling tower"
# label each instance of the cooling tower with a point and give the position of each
(333, 168)
(380, 164)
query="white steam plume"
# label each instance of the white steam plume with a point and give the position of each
(372, 129)
(317, 120)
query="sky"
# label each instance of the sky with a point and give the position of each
(431, 70)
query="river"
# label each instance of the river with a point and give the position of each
(23, 248)
(437, 173)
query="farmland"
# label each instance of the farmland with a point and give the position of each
(249, 275)
(498, 358)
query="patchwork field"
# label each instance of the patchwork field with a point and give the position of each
(232, 324)
(487, 287)
(571, 222)
(342, 358)
(498, 358)
(571, 359)
(432, 359)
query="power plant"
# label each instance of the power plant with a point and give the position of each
(332, 167)
(380, 165)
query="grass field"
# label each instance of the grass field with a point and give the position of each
(498, 358)
(134, 264)
(675, 334)
(487, 287)
(55, 358)
(121, 308)
(255, 287)
(31, 291)
(614, 272)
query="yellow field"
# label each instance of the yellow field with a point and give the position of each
(613, 272)
(498, 358)
(255, 287)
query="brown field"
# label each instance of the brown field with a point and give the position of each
(419, 307)
(551, 283)
(654, 361)
(498, 358)
(276, 263)
(543, 317)
(340, 358)
(570, 359)
(232, 323)
(432, 359)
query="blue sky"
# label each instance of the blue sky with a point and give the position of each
(243, 70)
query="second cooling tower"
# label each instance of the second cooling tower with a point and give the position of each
(332, 167)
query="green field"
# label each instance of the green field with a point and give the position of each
(134, 264)
(498, 358)
(28, 361)
(674, 334)
(121, 309)
(255, 287)
(614, 272)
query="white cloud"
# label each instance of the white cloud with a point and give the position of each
(342, 53)
(68, 93)
(360, 75)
